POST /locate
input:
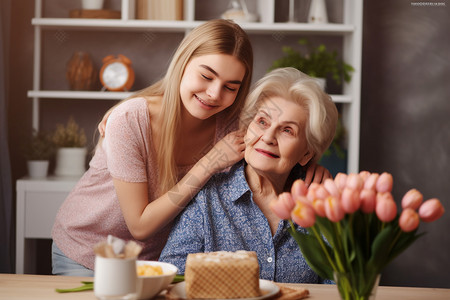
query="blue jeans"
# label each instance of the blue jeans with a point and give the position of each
(62, 265)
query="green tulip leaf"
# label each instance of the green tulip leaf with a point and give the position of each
(405, 240)
(313, 253)
(380, 248)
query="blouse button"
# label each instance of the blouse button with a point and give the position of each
(269, 259)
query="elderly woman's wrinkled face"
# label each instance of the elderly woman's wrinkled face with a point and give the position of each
(275, 139)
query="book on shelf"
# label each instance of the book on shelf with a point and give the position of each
(159, 9)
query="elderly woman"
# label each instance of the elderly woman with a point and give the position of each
(290, 122)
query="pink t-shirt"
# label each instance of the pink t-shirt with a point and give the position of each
(92, 211)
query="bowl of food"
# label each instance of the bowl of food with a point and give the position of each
(153, 277)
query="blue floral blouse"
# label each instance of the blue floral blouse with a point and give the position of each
(223, 216)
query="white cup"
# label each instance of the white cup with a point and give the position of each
(115, 278)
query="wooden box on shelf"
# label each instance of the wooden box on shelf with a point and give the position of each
(159, 10)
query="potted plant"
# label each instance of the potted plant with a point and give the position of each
(70, 141)
(38, 153)
(317, 62)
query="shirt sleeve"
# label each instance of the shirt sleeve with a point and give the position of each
(187, 235)
(126, 135)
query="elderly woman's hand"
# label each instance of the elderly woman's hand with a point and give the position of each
(316, 173)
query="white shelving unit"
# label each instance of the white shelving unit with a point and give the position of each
(350, 30)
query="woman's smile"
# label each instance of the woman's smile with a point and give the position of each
(266, 153)
(205, 104)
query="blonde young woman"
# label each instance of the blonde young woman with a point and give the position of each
(159, 149)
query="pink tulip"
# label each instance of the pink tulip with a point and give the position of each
(331, 187)
(299, 188)
(431, 210)
(354, 182)
(283, 206)
(386, 210)
(303, 215)
(368, 200)
(319, 207)
(333, 209)
(371, 181)
(322, 192)
(350, 200)
(384, 196)
(289, 202)
(413, 198)
(384, 183)
(409, 220)
(340, 179)
(311, 194)
(364, 175)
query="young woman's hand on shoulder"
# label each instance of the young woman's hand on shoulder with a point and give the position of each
(225, 153)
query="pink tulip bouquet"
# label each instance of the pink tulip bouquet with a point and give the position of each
(353, 227)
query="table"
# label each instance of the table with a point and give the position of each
(38, 201)
(18, 286)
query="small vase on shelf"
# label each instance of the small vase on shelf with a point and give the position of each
(81, 72)
(291, 11)
(92, 4)
(318, 12)
(237, 11)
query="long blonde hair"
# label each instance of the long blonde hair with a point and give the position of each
(212, 37)
(293, 85)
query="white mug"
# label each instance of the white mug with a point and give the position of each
(115, 278)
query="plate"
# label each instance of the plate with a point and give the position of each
(268, 289)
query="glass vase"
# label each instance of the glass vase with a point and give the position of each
(357, 286)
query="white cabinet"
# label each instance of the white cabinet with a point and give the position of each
(37, 204)
(348, 30)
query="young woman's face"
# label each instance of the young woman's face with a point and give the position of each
(275, 139)
(210, 84)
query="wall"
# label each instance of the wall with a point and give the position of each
(405, 121)
(405, 124)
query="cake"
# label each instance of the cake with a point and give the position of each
(222, 275)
